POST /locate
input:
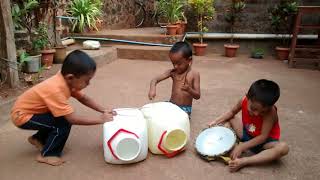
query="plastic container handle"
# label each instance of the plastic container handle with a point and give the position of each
(114, 135)
(169, 155)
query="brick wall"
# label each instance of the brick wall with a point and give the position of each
(255, 17)
(120, 13)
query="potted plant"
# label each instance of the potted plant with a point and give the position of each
(171, 10)
(181, 23)
(86, 12)
(43, 43)
(184, 23)
(204, 10)
(232, 16)
(281, 15)
(257, 53)
(29, 64)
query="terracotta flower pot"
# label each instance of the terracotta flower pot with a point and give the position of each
(172, 29)
(47, 58)
(60, 54)
(231, 49)
(184, 26)
(282, 53)
(200, 49)
(179, 28)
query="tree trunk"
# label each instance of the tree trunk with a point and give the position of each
(7, 43)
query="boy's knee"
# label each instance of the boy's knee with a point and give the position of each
(283, 148)
(63, 123)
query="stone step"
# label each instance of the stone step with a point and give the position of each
(21, 34)
(153, 53)
(22, 43)
(104, 55)
(162, 39)
(149, 35)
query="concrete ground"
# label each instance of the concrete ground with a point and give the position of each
(124, 83)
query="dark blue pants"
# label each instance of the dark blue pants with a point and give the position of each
(257, 149)
(53, 132)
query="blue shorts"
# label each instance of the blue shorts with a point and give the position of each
(187, 109)
(257, 149)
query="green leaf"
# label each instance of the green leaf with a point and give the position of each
(86, 11)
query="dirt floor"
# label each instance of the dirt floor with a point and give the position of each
(124, 83)
(27, 81)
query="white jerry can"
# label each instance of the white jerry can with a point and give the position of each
(125, 139)
(168, 128)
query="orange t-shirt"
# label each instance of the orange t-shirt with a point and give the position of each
(50, 95)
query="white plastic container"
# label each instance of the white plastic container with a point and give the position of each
(168, 128)
(125, 139)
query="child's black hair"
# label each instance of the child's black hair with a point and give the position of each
(78, 63)
(264, 91)
(183, 47)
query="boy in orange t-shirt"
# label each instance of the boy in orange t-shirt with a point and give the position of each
(45, 107)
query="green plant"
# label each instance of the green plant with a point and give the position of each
(98, 4)
(232, 14)
(281, 15)
(24, 57)
(86, 12)
(171, 9)
(258, 51)
(40, 39)
(21, 14)
(205, 11)
(29, 78)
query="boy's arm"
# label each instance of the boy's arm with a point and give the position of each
(228, 115)
(267, 125)
(195, 89)
(89, 102)
(155, 81)
(75, 119)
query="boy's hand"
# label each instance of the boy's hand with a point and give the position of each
(236, 152)
(152, 94)
(186, 87)
(108, 115)
(213, 123)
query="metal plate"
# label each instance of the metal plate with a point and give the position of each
(215, 141)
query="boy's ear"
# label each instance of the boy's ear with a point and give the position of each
(190, 60)
(69, 77)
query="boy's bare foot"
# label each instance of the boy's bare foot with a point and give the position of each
(235, 165)
(51, 160)
(36, 143)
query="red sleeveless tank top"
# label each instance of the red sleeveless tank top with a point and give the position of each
(253, 124)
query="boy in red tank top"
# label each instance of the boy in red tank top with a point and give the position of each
(259, 129)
